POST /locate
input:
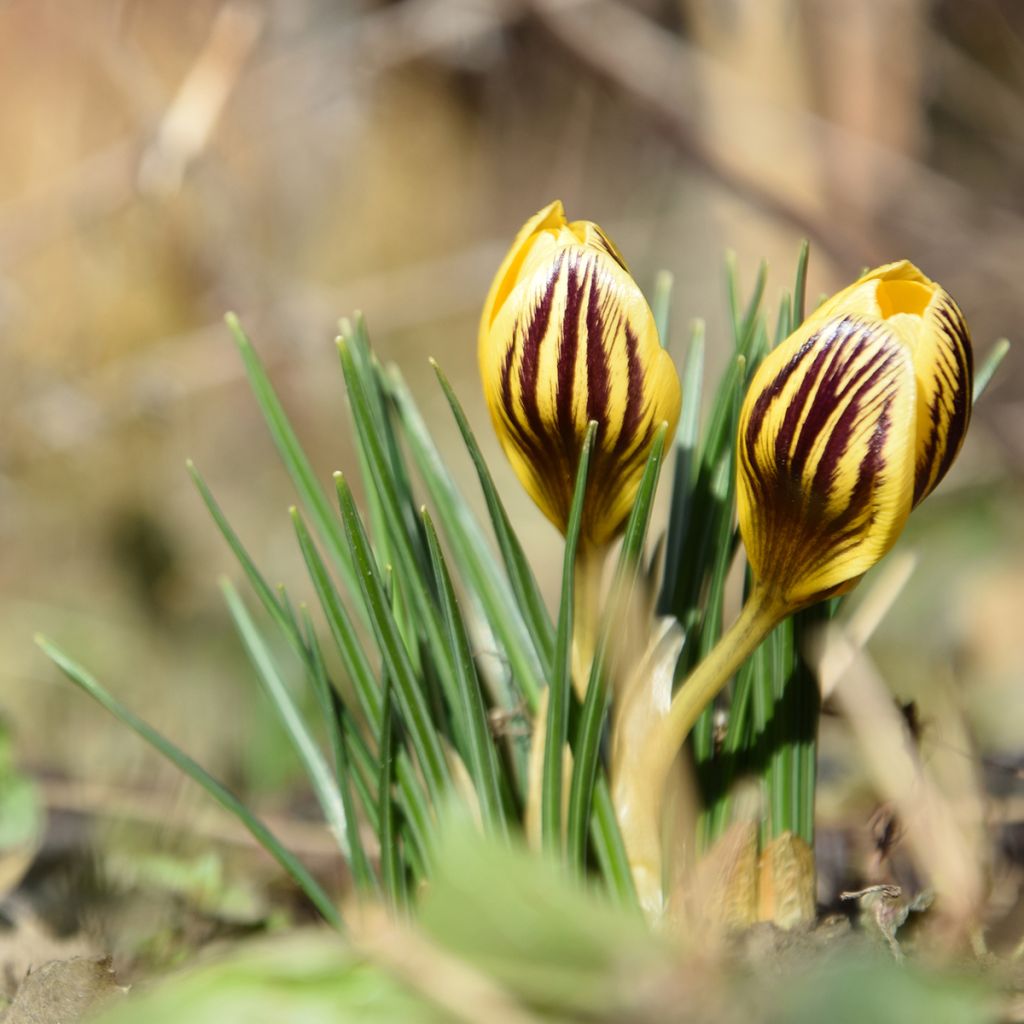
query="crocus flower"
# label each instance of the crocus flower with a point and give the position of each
(567, 337)
(847, 425)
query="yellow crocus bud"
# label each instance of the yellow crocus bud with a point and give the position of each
(567, 337)
(847, 425)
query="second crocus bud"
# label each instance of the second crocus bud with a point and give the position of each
(567, 337)
(847, 425)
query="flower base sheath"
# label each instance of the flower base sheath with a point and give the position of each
(567, 337)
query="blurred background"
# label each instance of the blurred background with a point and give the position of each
(295, 160)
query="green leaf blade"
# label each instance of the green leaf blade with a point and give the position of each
(586, 749)
(324, 785)
(410, 695)
(481, 759)
(557, 726)
(297, 463)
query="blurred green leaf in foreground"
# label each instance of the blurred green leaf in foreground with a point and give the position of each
(506, 937)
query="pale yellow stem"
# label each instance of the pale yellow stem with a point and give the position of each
(639, 793)
(586, 613)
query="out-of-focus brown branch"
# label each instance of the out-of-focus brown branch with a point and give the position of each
(190, 120)
(660, 72)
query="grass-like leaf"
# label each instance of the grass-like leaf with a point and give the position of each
(723, 541)
(481, 759)
(488, 585)
(797, 309)
(331, 711)
(744, 326)
(521, 577)
(985, 373)
(661, 305)
(557, 727)
(409, 695)
(312, 759)
(685, 467)
(586, 750)
(391, 873)
(776, 664)
(395, 527)
(413, 576)
(288, 861)
(314, 498)
(804, 705)
(353, 657)
(609, 849)
(263, 590)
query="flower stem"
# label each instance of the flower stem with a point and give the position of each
(639, 791)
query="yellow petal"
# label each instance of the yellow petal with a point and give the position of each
(925, 317)
(825, 464)
(941, 349)
(546, 222)
(570, 341)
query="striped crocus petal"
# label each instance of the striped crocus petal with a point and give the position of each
(573, 341)
(944, 366)
(825, 457)
(924, 316)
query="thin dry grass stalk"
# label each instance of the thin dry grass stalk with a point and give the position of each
(190, 120)
(444, 979)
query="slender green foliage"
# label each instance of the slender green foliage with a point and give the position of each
(595, 705)
(409, 694)
(482, 757)
(988, 368)
(559, 693)
(330, 710)
(520, 575)
(290, 717)
(295, 460)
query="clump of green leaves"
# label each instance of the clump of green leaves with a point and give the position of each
(405, 596)
(409, 716)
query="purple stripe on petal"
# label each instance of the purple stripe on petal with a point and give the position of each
(634, 394)
(567, 349)
(529, 366)
(598, 382)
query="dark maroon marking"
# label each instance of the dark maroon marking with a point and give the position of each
(634, 394)
(871, 467)
(615, 469)
(823, 540)
(784, 440)
(598, 384)
(566, 364)
(926, 460)
(506, 381)
(529, 366)
(781, 497)
(831, 391)
(539, 455)
(839, 439)
(772, 391)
